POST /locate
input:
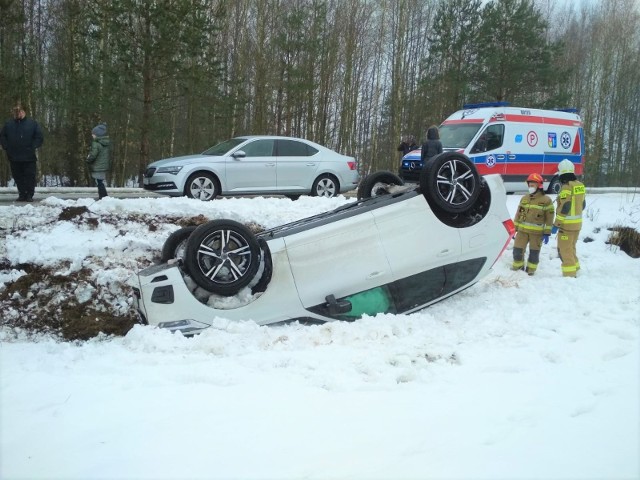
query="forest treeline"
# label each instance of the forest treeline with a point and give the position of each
(173, 77)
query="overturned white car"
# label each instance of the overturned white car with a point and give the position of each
(397, 250)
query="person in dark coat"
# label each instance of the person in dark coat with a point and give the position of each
(20, 137)
(407, 145)
(432, 146)
(99, 158)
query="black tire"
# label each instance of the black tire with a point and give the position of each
(293, 197)
(202, 186)
(262, 284)
(451, 181)
(222, 256)
(325, 186)
(176, 245)
(376, 184)
(555, 185)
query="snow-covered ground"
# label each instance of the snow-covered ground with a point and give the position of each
(515, 378)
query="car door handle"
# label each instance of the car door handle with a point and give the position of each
(512, 157)
(500, 157)
(444, 253)
(311, 164)
(270, 164)
(374, 274)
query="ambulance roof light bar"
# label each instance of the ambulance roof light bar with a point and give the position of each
(568, 110)
(468, 106)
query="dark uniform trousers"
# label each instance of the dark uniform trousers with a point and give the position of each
(520, 244)
(24, 174)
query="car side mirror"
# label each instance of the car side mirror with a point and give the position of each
(239, 154)
(337, 307)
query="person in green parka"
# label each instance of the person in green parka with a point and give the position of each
(99, 158)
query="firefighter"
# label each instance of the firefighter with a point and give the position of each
(533, 221)
(570, 205)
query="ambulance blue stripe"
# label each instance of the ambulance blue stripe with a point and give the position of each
(525, 158)
(520, 158)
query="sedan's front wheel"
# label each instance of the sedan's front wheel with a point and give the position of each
(202, 186)
(325, 186)
(222, 256)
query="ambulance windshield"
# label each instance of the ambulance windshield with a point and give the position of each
(458, 135)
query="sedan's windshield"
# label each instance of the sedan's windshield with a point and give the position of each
(222, 148)
(458, 135)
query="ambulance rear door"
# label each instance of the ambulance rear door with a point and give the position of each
(564, 139)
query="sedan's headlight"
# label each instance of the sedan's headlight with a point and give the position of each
(172, 170)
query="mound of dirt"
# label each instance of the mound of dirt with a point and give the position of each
(44, 301)
(627, 238)
(75, 304)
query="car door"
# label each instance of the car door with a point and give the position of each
(414, 239)
(297, 164)
(340, 258)
(255, 171)
(488, 152)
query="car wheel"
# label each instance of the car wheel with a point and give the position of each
(555, 185)
(176, 244)
(202, 186)
(222, 256)
(451, 181)
(262, 284)
(377, 184)
(325, 186)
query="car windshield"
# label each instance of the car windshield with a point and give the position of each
(458, 135)
(222, 148)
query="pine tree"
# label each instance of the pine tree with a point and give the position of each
(513, 59)
(452, 55)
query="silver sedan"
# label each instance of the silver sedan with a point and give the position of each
(255, 165)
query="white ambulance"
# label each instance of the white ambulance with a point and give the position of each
(511, 141)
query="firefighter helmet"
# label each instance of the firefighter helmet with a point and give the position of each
(565, 166)
(536, 178)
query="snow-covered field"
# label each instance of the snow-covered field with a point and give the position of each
(515, 378)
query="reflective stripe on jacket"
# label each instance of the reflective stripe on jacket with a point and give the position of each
(535, 214)
(571, 203)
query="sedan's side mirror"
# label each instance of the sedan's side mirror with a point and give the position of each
(239, 154)
(337, 307)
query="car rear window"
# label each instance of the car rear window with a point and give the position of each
(292, 148)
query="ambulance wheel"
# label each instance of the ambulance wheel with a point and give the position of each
(377, 184)
(555, 185)
(222, 256)
(451, 181)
